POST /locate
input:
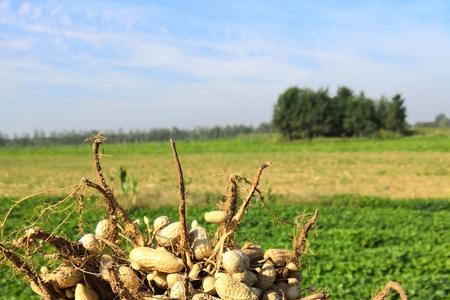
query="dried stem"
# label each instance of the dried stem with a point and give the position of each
(318, 296)
(300, 241)
(114, 208)
(391, 286)
(240, 213)
(230, 204)
(74, 252)
(96, 141)
(65, 247)
(110, 200)
(118, 286)
(80, 212)
(184, 237)
(48, 293)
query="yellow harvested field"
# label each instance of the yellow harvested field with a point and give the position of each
(300, 176)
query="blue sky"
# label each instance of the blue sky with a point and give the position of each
(142, 64)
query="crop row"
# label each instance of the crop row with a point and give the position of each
(360, 243)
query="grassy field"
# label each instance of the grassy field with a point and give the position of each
(360, 242)
(384, 205)
(412, 167)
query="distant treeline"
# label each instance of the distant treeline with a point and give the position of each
(40, 138)
(306, 113)
(441, 121)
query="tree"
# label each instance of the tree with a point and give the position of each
(360, 118)
(396, 115)
(3, 139)
(342, 98)
(303, 113)
(323, 112)
(381, 112)
(442, 121)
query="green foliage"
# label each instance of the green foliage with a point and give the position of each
(128, 185)
(396, 115)
(437, 142)
(41, 138)
(304, 113)
(360, 243)
(382, 109)
(359, 117)
(383, 134)
(442, 121)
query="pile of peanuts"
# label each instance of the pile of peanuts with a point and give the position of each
(169, 260)
(157, 271)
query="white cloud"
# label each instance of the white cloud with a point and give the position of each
(70, 53)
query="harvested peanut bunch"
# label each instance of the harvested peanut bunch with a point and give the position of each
(169, 260)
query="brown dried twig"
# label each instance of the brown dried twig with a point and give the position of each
(74, 252)
(184, 237)
(240, 213)
(66, 248)
(80, 211)
(48, 293)
(114, 208)
(111, 203)
(229, 206)
(300, 241)
(391, 286)
(96, 141)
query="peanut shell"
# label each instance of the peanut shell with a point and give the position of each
(233, 262)
(271, 295)
(90, 242)
(247, 277)
(278, 256)
(229, 289)
(168, 235)
(83, 292)
(160, 222)
(129, 279)
(106, 262)
(267, 276)
(174, 278)
(254, 252)
(65, 276)
(105, 230)
(215, 217)
(201, 244)
(208, 285)
(149, 259)
(293, 292)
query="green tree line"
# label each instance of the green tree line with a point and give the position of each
(40, 138)
(307, 113)
(441, 121)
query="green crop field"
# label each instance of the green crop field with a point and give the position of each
(360, 243)
(384, 208)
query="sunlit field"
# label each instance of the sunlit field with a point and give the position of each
(383, 203)
(412, 167)
(360, 242)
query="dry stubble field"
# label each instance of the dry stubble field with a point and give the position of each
(401, 169)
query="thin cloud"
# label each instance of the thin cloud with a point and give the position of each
(210, 60)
